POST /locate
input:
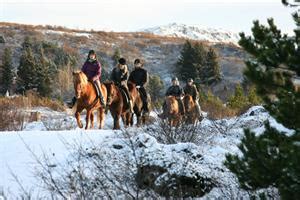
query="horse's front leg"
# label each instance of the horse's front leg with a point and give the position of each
(77, 116)
(101, 117)
(88, 116)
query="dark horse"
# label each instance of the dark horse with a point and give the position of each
(86, 95)
(138, 105)
(191, 115)
(117, 106)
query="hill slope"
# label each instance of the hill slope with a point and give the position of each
(159, 52)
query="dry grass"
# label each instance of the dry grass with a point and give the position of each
(217, 111)
(12, 119)
(12, 110)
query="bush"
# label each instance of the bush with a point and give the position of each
(215, 107)
(12, 119)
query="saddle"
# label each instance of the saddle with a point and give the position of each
(125, 96)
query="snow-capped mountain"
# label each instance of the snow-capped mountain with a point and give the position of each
(195, 33)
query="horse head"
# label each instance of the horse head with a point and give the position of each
(111, 92)
(80, 81)
(188, 102)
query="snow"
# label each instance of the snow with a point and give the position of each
(88, 35)
(216, 139)
(195, 33)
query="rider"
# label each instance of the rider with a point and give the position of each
(139, 76)
(119, 76)
(191, 89)
(92, 69)
(177, 91)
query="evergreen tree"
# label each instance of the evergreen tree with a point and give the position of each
(45, 74)
(155, 87)
(27, 76)
(212, 68)
(7, 71)
(253, 98)
(198, 63)
(116, 56)
(238, 100)
(272, 158)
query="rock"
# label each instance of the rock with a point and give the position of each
(2, 40)
(167, 185)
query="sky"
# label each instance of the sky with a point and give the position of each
(133, 15)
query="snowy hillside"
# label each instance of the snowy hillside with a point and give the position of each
(195, 33)
(203, 158)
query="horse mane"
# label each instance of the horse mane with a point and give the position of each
(80, 77)
(130, 85)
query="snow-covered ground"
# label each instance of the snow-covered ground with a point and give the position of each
(215, 139)
(195, 33)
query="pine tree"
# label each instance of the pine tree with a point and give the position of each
(238, 100)
(45, 74)
(155, 87)
(7, 71)
(198, 63)
(212, 67)
(27, 76)
(272, 158)
(116, 56)
(185, 64)
(253, 98)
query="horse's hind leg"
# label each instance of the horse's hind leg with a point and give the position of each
(88, 116)
(92, 120)
(101, 118)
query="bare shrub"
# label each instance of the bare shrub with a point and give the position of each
(12, 119)
(167, 134)
(87, 173)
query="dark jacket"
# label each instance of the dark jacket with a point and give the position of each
(191, 90)
(92, 70)
(175, 90)
(139, 76)
(118, 75)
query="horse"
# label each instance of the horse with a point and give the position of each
(87, 99)
(190, 109)
(137, 105)
(172, 111)
(117, 107)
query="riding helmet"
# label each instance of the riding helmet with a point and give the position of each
(122, 61)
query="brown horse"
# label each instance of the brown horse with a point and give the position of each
(137, 105)
(172, 111)
(86, 95)
(190, 109)
(117, 105)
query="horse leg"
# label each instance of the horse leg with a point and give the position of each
(77, 116)
(92, 119)
(123, 117)
(88, 116)
(138, 119)
(101, 117)
(117, 121)
(116, 116)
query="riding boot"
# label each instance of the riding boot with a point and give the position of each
(98, 86)
(72, 103)
(131, 106)
(198, 110)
